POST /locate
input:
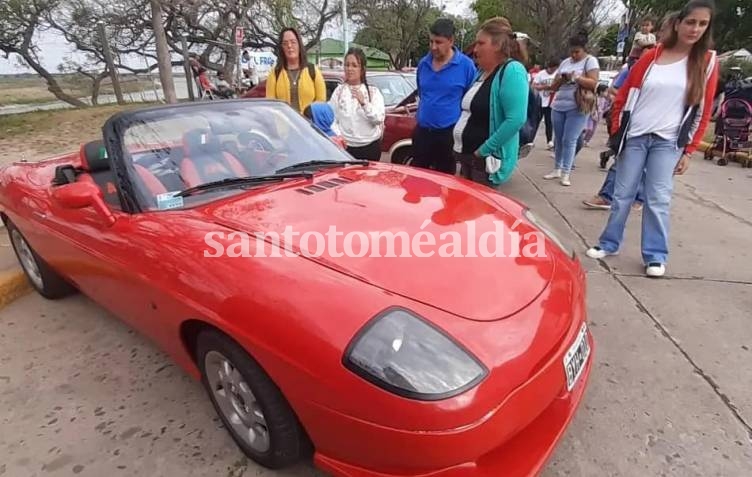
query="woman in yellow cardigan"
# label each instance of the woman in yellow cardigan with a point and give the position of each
(291, 80)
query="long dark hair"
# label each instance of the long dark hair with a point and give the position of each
(696, 63)
(282, 59)
(498, 28)
(361, 57)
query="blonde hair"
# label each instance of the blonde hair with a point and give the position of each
(500, 31)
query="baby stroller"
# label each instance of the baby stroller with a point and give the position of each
(732, 129)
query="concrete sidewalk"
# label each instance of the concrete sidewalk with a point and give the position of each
(83, 394)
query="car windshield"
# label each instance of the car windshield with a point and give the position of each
(171, 149)
(394, 88)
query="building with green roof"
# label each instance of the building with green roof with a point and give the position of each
(330, 52)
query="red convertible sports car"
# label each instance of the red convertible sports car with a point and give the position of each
(436, 354)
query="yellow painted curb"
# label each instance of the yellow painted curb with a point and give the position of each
(13, 285)
(734, 156)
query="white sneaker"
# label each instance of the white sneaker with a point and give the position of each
(550, 145)
(525, 149)
(555, 174)
(565, 180)
(597, 252)
(655, 269)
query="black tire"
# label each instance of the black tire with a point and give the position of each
(287, 439)
(403, 155)
(48, 283)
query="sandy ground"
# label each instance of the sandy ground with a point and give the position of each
(35, 136)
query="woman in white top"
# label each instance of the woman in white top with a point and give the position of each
(359, 109)
(660, 113)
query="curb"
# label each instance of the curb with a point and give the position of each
(13, 285)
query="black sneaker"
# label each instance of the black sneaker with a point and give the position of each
(605, 156)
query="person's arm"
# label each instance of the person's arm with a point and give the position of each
(271, 85)
(707, 109)
(320, 86)
(513, 97)
(374, 109)
(590, 79)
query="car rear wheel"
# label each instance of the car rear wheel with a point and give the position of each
(251, 406)
(403, 155)
(42, 277)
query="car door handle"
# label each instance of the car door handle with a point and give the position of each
(40, 215)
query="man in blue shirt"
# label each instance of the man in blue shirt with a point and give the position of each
(444, 75)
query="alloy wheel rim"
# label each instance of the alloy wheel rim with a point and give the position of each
(26, 257)
(236, 401)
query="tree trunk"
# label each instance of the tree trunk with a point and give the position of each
(52, 85)
(163, 53)
(96, 84)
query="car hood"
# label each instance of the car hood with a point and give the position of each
(438, 214)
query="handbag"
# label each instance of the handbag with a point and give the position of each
(586, 99)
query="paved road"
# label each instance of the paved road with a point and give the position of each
(82, 394)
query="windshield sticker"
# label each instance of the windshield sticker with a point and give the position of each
(169, 201)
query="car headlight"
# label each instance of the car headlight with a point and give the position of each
(402, 353)
(550, 232)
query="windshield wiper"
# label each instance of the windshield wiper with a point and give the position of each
(240, 181)
(301, 165)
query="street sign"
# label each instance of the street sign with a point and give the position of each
(239, 35)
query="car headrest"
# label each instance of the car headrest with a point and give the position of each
(94, 157)
(199, 142)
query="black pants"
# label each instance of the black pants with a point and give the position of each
(549, 124)
(369, 152)
(432, 149)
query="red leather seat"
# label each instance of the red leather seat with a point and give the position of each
(150, 180)
(205, 161)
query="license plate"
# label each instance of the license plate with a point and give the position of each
(576, 357)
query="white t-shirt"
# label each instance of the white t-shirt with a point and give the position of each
(543, 78)
(359, 125)
(660, 107)
(459, 128)
(564, 99)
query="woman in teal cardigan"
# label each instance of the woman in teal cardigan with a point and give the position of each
(494, 109)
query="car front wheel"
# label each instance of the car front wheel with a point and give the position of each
(42, 277)
(251, 406)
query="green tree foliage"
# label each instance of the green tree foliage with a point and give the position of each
(732, 25)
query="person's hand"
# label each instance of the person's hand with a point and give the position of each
(682, 165)
(477, 154)
(358, 95)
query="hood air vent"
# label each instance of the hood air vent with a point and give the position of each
(324, 185)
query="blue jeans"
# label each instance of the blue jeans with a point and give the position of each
(655, 158)
(568, 126)
(607, 190)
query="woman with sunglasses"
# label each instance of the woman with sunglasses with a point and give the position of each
(660, 113)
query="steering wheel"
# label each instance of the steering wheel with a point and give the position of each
(256, 141)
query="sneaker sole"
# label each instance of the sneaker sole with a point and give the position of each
(590, 205)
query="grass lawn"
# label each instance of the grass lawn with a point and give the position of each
(33, 90)
(42, 133)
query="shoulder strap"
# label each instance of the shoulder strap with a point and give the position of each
(312, 71)
(503, 67)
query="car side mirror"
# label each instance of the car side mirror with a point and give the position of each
(82, 194)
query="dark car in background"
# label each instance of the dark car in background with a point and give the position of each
(398, 89)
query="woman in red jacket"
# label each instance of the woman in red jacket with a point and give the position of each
(661, 113)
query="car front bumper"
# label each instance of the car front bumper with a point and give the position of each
(515, 439)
